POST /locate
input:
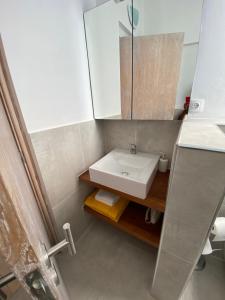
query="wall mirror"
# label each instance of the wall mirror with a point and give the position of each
(142, 56)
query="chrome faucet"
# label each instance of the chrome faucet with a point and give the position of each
(133, 149)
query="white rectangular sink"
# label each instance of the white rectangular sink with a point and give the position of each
(129, 173)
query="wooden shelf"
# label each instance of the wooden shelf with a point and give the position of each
(132, 222)
(156, 197)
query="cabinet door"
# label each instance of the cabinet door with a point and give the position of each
(156, 69)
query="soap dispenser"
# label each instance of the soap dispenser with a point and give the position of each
(163, 163)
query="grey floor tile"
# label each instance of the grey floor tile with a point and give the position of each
(110, 265)
(208, 284)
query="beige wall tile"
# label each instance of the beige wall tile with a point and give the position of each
(71, 210)
(118, 134)
(198, 187)
(61, 160)
(191, 203)
(63, 154)
(157, 136)
(170, 276)
(181, 239)
(195, 194)
(92, 141)
(149, 136)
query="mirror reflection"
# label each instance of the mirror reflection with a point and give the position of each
(107, 26)
(142, 57)
(166, 37)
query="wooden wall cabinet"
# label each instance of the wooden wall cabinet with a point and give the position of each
(142, 57)
(155, 75)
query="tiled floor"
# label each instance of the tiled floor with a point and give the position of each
(110, 265)
(208, 284)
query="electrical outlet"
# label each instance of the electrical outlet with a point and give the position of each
(197, 105)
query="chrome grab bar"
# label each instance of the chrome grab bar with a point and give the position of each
(66, 243)
(4, 280)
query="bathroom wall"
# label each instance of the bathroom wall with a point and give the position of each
(50, 74)
(63, 153)
(46, 52)
(149, 136)
(196, 179)
(209, 79)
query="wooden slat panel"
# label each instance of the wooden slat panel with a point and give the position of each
(156, 63)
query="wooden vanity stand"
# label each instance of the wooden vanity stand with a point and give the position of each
(132, 220)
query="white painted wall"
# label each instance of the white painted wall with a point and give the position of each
(163, 16)
(45, 48)
(209, 82)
